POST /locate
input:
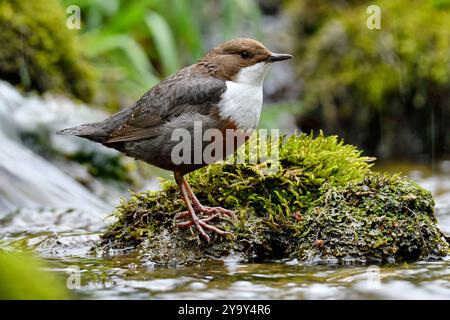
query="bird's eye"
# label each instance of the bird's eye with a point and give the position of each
(245, 54)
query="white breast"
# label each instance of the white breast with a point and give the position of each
(242, 101)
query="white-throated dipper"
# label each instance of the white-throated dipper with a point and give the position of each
(223, 91)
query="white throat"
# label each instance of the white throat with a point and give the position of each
(253, 75)
(242, 101)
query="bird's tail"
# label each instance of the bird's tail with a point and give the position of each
(91, 131)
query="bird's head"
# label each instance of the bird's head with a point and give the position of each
(242, 60)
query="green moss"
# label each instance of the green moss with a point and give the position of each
(105, 166)
(378, 218)
(323, 201)
(39, 52)
(22, 277)
(357, 62)
(371, 80)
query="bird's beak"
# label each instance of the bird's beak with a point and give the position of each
(279, 57)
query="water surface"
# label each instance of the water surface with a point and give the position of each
(63, 237)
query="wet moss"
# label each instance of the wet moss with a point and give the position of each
(378, 218)
(39, 52)
(322, 202)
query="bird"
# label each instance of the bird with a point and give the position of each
(223, 91)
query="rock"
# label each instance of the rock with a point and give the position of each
(39, 52)
(42, 169)
(30, 179)
(323, 202)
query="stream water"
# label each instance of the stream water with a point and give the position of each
(46, 210)
(63, 237)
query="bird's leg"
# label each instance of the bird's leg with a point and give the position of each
(200, 224)
(198, 207)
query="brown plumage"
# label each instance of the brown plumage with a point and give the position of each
(227, 78)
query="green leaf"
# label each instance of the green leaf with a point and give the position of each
(130, 15)
(164, 41)
(98, 45)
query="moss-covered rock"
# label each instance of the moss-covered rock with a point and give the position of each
(322, 202)
(39, 52)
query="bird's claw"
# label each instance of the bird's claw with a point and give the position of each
(202, 224)
(216, 210)
(208, 211)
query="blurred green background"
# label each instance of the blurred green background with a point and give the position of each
(385, 90)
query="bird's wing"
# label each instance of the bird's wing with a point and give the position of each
(183, 92)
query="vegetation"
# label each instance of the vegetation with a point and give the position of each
(134, 44)
(39, 52)
(105, 166)
(361, 83)
(129, 45)
(22, 277)
(323, 201)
